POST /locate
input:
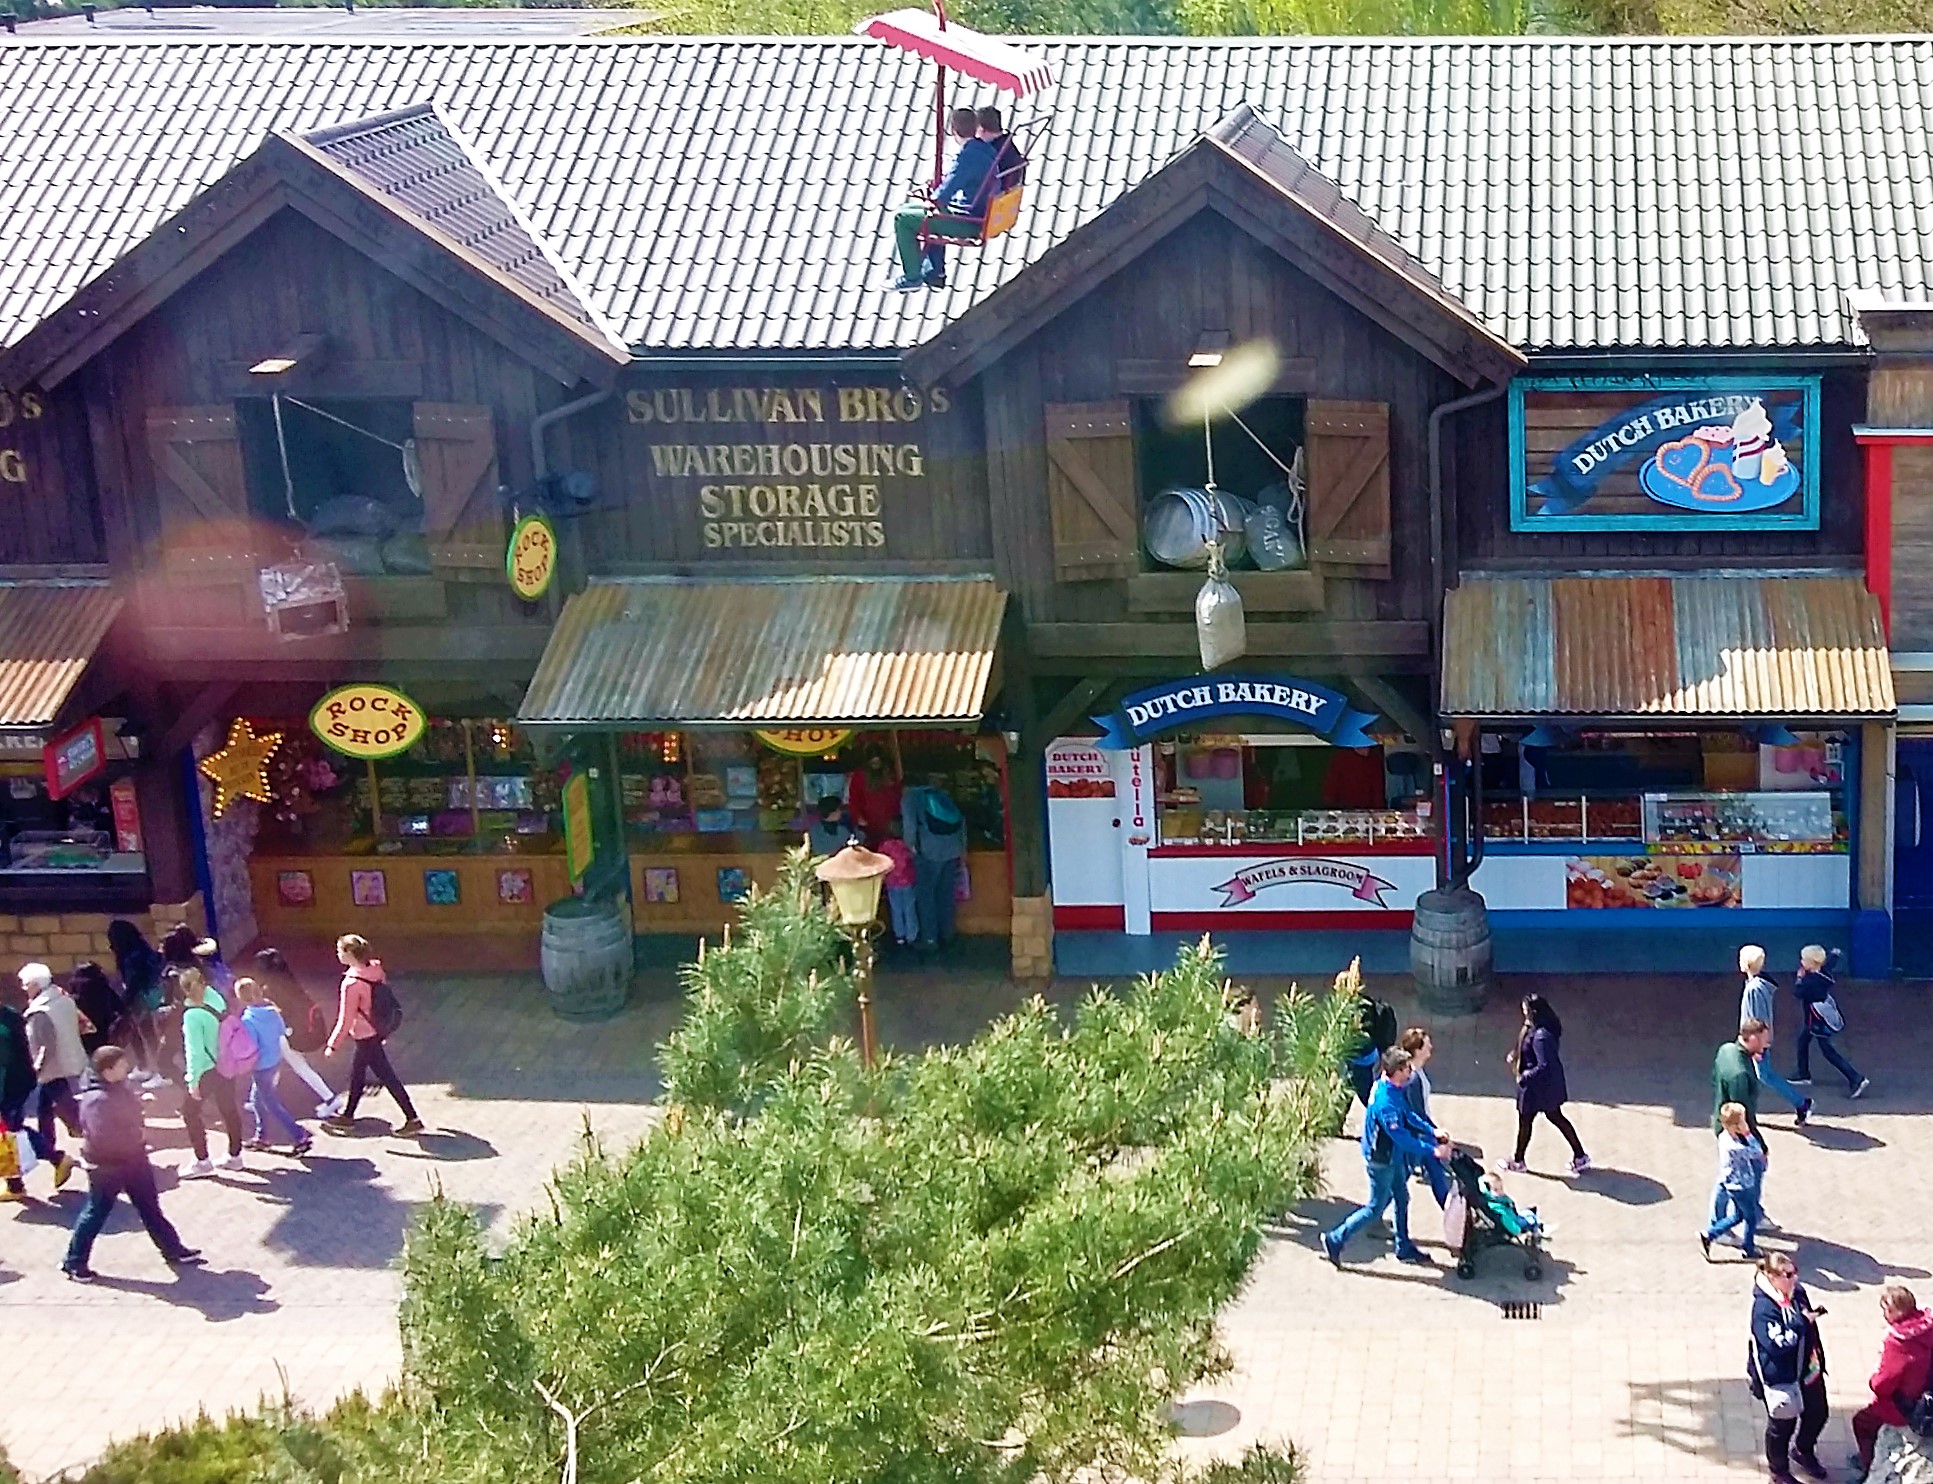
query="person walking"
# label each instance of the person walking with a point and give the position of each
(114, 1140)
(1756, 1002)
(1820, 1018)
(1785, 1366)
(307, 1022)
(1741, 1178)
(267, 1030)
(54, 1041)
(1393, 1134)
(145, 998)
(101, 1010)
(1416, 1092)
(1541, 1087)
(17, 1083)
(357, 1022)
(1905, 1369)
(201, 1017)
(935, 831)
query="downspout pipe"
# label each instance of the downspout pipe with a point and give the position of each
(1460, 871)
(541, 424)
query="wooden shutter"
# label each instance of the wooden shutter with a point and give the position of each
(462, 513)
(1091, 490)
(200, 488)
(1347, 485)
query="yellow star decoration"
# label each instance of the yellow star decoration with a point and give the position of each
(240, 769)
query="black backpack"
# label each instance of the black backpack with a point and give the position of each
(385, 1010)
(1379, 1023)
(1919, 1411)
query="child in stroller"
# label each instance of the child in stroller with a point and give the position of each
(1479, 1215)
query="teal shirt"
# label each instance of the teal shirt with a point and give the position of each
(201, 1034)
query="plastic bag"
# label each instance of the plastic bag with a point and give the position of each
(1220, 625)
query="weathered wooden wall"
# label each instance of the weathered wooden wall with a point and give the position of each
(48, 510)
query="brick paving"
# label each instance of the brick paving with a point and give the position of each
(1378, 1372)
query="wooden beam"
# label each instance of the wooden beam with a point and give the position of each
(1177, 641)
(232, 650)
(1072, 707)
(1390, 700)
(1262, 592)
(346, 379)
(1295, 376)
(1876, 774)
(208, 703)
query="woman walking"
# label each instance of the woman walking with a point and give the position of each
(308, 1025)
(1540, 1082)
(100, 1007)
(357, 1020)
(201, 1045)
(1786, 1369)
(145, 998)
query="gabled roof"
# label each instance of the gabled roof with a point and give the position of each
(416, 159)
(1574, 193)
(287, 173)
(1245, 170)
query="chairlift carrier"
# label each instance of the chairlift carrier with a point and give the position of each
(988, 59)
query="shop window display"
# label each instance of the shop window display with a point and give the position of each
(76, 837)
(1277, 790)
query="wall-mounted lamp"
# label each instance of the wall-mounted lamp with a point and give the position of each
(1210, 348)
(305, 351)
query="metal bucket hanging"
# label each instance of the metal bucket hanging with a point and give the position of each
(1180, 523)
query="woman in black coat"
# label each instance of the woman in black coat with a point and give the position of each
(1785, 1366)
(93, 992)
(1540, 1082)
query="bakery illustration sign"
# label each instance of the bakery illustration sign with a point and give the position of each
(1359, 881)
(1665, 454)
(1177, 704)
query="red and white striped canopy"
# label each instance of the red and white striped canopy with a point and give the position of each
(981, 57)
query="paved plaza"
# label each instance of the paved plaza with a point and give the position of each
(1629, 1369)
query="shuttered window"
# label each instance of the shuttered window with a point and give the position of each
(456, 447)
(1347, 492)
(200, 490)
(1091, 492)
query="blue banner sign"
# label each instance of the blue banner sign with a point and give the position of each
(1175, 704)
(1665, 454)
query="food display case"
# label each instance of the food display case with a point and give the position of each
(1325, 827)
(1571, 817)
(1743, 822)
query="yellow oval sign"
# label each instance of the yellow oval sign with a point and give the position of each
(532, 559)
(806, 741)
(368, 721)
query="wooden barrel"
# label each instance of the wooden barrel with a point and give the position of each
(1449, 951)
(587, 957)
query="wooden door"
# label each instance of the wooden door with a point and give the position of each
(1347, 486)
(456, 447)
(200, 487)
(1092, 497)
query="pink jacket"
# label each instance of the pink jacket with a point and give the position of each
(901, 855)
(352, 1013)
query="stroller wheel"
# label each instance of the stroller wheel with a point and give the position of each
(1533, 1271)
(1465, 1268)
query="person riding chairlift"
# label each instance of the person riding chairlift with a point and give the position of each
(987, 164)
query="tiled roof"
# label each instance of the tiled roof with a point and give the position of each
(412, 157)
(733, 194)
(1664, 646)
(770, 651)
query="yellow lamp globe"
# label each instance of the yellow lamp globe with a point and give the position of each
(855, 876)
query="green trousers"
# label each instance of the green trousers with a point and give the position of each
(907, 222)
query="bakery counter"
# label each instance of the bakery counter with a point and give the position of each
(1259, 887)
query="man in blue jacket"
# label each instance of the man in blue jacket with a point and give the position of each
(1393, 1134)
(963, 197)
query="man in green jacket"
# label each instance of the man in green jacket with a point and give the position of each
(1733, 1077)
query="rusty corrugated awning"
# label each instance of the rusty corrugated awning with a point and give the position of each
(48, 633)
(1641, 647)
(850, 650)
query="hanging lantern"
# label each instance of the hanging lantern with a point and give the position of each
(240, 769)
(1221, 628)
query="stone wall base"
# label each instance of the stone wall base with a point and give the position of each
(1033, 938)
(62, 939)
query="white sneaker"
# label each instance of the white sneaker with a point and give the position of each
(333, 1108)
(233, 1162)
(198, 1170)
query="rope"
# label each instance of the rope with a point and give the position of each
(344, 422)
(1208, 442)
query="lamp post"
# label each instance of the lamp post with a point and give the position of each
(855, 876)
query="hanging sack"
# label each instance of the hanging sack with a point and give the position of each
(235, 1050)
(1220, 626)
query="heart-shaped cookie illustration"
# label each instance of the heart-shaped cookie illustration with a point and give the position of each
(1716, 485)
(1682, 461)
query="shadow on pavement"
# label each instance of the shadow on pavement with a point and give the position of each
(447, 1146)
(217, 1294)
(1626, 1187)
(334, 1215)
(1833, 1268)
(1837, 1137)
(1698, 1416)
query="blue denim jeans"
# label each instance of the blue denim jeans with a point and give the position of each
(1830, 1053)
(1730, 1208)
(105, 1185)
(1437, 1173)
(1388, 1182)
(1768, 1076)
(266, 1104)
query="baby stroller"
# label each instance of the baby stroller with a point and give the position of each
(1476, 1217)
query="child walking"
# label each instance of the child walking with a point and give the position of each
(114, 1139)
(1741, 1178)
(362, 971)
(902, 896)
(265, 1027)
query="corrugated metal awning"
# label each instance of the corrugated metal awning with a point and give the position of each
(857, 651)
(1641, 647)
(48, 633)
